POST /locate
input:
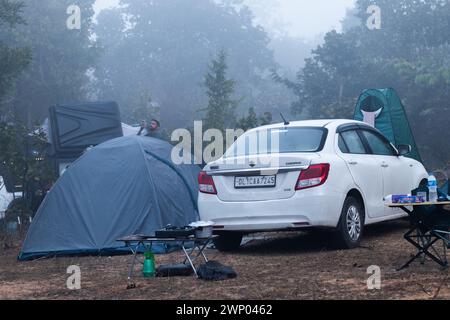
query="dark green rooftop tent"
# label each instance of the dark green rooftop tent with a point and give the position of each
(384, 109)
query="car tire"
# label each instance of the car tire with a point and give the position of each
(227, 242)
(351, 224)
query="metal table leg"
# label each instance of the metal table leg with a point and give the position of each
(201, 248)
(190, 252)
(189, 259)
(132, 285)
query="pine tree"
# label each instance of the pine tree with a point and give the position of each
(249, 122)
(220, 112)
(266, 118)
(12, 60)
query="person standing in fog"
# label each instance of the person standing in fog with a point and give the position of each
(154, 129)
(143, 131)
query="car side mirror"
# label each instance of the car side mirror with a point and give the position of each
(404, 149)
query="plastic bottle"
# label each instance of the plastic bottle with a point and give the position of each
(149, 265)
(432, 189)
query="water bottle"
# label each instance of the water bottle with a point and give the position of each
(148, 269)
(432, 189)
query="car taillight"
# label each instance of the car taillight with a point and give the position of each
(314, 176)
(206, 183)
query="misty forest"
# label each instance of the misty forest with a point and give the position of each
(162, 150)
(181, 61)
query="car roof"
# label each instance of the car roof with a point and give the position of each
(331, 123)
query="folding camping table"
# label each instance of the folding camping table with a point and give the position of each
(424, 233)
(136, 242)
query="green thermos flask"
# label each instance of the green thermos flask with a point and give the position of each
(149, 265)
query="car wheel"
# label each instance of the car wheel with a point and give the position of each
(228, 242)
(351, 224)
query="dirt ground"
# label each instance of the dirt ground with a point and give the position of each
(277, 266)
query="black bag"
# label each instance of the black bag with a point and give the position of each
(214, 271)
(174, 270)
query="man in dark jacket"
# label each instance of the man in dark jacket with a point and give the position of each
(152, 130)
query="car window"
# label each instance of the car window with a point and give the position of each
(342, 146)
(282, 140)
(353, 143)
(378, 145)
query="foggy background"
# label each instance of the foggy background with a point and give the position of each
(295, 26)
(297, 18)
(167, 59)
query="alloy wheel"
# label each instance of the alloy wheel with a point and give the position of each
(353, 223)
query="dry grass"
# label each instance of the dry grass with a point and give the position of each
(285, 266)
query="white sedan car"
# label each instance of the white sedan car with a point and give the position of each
(331, 174)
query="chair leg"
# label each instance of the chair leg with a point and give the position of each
(406, 265)
(410, 238)
(443, 235)
(440, 261)
(423, 242)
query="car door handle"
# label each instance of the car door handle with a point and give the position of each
(384, 165)
(353, 163)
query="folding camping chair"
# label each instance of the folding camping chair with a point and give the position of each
(430, 227)
(430, 234)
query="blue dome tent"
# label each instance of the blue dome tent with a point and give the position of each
(124, 186)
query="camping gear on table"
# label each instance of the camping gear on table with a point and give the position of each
(442, 194)
(383, 109)
(405, 199)
(203, 229)
(128, 185)
(432, 188)
(192, 248)
(214, 271)
(174, 232)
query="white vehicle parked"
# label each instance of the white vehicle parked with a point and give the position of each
(307, 174)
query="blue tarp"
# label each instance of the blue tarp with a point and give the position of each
(125, 186)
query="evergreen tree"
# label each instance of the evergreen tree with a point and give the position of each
(62, 58)
(220, 112)
(161, 47)
(249, 122)
(411, 53)
(266, 118)
(13, 60)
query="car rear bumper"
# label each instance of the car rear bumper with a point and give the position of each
(307, 208)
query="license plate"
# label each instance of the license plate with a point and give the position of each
(255, 182)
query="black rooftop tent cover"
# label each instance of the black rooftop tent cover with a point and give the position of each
(74, 127)
(124, 186)
(383, 109)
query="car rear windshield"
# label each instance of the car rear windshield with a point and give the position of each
(282, 140)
